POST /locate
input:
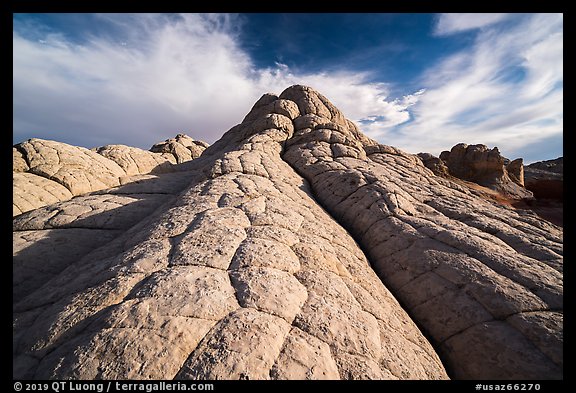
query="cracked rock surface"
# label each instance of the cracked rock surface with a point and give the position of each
(180, 149)
(46, 172)
(282, 252)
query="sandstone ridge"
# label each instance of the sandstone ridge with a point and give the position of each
(293, 248)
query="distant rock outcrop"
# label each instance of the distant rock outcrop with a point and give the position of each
(180, 149)
(135, 161)
(483, 166)
(546, 179)
(46, 172)
(554, 166)
(295, 247)
(435, 164)
(515, 170)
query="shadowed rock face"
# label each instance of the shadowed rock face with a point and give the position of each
(555, 166)
(546, 179)
(435, 164)
(231, 269)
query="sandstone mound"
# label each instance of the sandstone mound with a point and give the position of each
(233, 269)
(46, 172)
(180, 149)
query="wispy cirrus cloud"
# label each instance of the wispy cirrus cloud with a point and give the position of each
(143, 78)
(505, 90)
(157, 75)
(456, 23)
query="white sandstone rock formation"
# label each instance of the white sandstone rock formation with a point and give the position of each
(293, 248)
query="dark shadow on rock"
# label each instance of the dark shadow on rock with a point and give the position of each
(79, 244)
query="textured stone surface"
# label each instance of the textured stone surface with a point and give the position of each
(19, 163)
(182, 148)
(231, 259)
(457, 261)
(78, 169)
(135, 161)
(47, 172)
(435, 164)
(39, 255)
(231, 269)
(30, 191)
(515, 171)
(304, 357)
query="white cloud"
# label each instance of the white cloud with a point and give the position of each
(159, 75)
(505, 90)
(455, 23)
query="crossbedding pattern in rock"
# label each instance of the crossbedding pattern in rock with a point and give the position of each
(243, 275)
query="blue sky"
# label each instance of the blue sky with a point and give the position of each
(420, 82)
